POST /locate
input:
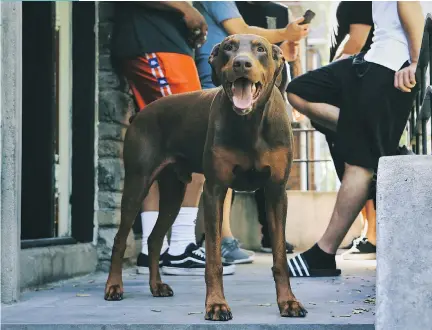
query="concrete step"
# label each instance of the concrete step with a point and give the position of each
(345, 302)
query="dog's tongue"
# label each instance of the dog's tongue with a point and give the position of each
(242, 93)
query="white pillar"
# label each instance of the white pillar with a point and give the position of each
(10, 141)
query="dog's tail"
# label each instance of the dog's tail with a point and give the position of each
(131, 118)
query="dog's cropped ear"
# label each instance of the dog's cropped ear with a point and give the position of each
(279, 64)
(212, 61)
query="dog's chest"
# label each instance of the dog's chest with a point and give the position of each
(250, 170)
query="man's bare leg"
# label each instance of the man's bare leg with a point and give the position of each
(226, 220)
(350, 200)
(324, 114)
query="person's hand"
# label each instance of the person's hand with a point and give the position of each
(295, 32)
(290, 50)
(404, 79)
(197, 27)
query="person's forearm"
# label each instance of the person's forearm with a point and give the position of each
(351, 47)
(412, 20)
(181, 7)
(296, 67)
(274, 36)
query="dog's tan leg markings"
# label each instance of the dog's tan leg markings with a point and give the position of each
(276, 209)
(217, 308)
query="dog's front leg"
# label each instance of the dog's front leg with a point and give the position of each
(217, 308)
(276, 209)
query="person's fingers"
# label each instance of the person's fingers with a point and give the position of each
(412, 77)
(406, 79)
(401, 84)
(396, 80)
(299, 20)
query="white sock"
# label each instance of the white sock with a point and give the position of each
(183, 230)
(148, 220)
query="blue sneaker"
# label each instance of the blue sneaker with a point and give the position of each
(233, 254)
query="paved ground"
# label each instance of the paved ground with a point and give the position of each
(346, 302)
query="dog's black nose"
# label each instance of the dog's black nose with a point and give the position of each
(242, 63)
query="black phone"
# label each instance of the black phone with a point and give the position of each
(308, 16)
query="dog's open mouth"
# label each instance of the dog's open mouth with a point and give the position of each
(244, 93)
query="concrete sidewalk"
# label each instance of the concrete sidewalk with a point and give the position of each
(346, 302)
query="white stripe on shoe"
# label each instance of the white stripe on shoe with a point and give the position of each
(300, 258)
(291, 268)
(299, 270)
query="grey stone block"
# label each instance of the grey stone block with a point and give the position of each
(108, 79)
(404, 243)
(111, 131)
(47, 264)
(108, 217)
(109, 200)
(106, 241)
(106, 12)
(111, 174)
(115, 106)
(105, 30)
(109, 148)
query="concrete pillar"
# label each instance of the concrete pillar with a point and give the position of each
(404, 245)
(11, 94)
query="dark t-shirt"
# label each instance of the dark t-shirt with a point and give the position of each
(264, 14)
(138, 29)
(351, 12)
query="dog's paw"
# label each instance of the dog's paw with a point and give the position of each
(218, 312)
(114, 292)
(292, 308)
(161, 290)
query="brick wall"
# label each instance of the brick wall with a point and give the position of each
(115, 108)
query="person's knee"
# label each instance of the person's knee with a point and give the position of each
(358, 170)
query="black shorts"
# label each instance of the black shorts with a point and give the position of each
(373, 113)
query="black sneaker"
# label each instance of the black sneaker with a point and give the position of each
(354, 241)
(143, 262)
(266, 247)
(191, 262)
(361, 250)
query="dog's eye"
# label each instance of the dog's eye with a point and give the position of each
(261, 49)
(228, 47)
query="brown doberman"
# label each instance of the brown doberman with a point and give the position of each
(239, 135)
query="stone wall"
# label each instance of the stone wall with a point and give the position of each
(115, 108)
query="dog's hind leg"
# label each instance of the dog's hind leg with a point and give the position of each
(171, 192)
(136, 187)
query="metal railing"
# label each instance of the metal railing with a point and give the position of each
(421, 111)
(306, 157)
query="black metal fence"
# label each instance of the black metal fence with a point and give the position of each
(421, 111)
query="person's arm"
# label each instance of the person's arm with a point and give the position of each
(358, 35)
(293, 31)
(412, 20)
(194, 21)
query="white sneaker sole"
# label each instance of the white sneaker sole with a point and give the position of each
(166, 270)
(358, 256)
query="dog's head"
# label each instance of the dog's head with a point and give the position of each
(247, 66)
